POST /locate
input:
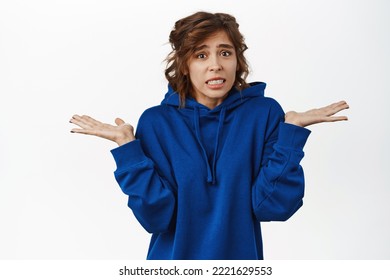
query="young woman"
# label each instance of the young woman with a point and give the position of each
(216, 157)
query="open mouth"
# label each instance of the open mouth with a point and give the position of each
(215, 82)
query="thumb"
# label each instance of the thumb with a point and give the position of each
(119, 121)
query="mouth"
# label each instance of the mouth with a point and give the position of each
(215, 81)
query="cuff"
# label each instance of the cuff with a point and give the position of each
(292, 136)
(128, 154)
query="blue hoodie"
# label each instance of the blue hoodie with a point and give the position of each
(201, 180)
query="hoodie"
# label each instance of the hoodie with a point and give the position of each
(201, 180)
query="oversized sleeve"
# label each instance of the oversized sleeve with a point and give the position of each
(278, 189)
(150, 196)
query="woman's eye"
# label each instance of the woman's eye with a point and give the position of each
(225, 53)
(201, 55)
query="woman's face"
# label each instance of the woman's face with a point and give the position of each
(212, 69)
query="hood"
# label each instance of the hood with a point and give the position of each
(213, 120)
(234, 98)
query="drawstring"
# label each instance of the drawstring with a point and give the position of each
(197, 133)
(211, 172)
(217, 140)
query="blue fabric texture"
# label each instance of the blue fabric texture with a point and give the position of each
(201, 180)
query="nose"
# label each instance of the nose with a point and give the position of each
(215, 64)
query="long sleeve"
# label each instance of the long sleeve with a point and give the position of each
(278, 190)
(150, 196)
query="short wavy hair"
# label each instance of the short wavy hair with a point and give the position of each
(191, 31)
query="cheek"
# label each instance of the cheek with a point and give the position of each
(195, 80)
(193, 71)
(234, 69)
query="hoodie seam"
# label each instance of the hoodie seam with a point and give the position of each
(129, 167)
(276, 181)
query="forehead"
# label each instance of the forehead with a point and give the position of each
(215, 39)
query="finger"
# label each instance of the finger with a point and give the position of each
(94, 132)
(91, 121)
(341, 105)
(83, 131)
(78, 119)
(336, 107)
(74, 117)
(119, 121)
(336, 119)
(87, 120)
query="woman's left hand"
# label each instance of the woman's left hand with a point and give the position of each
(324, 114)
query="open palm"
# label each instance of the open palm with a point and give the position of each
(313, 116)
(121, 133)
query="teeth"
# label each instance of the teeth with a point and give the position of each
(215, 82)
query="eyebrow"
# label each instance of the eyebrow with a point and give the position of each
(220, 46)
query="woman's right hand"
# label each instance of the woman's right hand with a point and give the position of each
(121, 134)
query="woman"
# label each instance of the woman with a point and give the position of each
(216, 157)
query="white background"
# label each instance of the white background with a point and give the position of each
(58, 195)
